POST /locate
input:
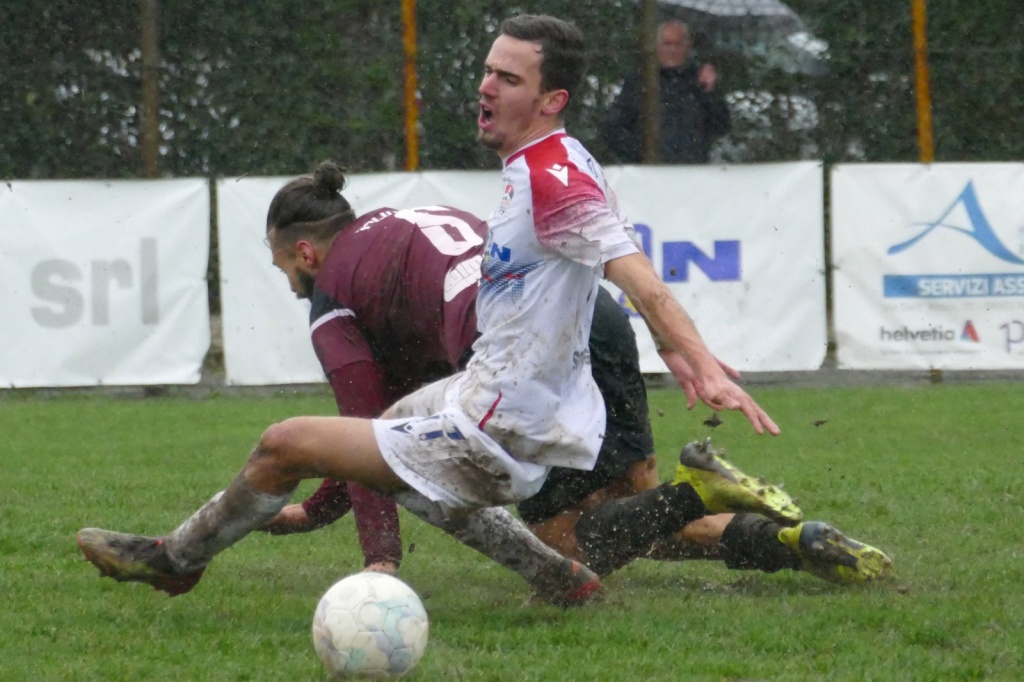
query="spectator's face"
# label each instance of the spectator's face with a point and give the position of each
(673, 46)
(510, 98)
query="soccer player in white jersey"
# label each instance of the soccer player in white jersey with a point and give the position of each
(455, 449)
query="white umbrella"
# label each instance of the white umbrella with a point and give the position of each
(765, 29)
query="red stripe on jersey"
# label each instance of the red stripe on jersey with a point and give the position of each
(490, 413)
(564, 198)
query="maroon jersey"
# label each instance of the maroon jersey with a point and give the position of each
(393, 307)
(394, 303)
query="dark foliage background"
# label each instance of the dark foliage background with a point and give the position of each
(264, 87)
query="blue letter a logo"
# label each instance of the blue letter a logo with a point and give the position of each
(979, 230)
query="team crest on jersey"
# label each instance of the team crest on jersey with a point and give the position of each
(506, 200)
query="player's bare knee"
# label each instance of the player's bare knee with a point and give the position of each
(277, 443)
(271, 462)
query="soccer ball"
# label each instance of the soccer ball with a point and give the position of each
(370, 625)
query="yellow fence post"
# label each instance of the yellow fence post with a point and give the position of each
(412, 107)
(924, 97)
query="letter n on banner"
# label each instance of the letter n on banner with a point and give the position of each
(723, 266)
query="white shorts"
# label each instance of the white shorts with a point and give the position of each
(446, 457)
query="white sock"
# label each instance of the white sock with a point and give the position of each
(492, 531)
(228, 517)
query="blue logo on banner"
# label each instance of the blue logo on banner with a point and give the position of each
(953, 286)
(983, 285)
(980, 229)
(723, 265)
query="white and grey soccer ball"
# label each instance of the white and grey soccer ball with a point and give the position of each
(370, 625)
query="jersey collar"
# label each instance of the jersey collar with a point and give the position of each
(522, 150)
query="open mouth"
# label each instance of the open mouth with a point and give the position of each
(486, 116)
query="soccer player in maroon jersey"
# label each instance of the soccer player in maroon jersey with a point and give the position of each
(526, 401)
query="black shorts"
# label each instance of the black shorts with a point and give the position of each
(615, 363)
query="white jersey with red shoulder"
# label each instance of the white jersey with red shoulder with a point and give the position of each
(529, 383)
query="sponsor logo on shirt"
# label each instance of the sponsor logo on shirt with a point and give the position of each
(502, 253)
(580, 358)
(506, 200)
(561, 172)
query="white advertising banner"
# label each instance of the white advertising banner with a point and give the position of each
(929, 266)
(740, 246)
(266, 337)
(103, 282)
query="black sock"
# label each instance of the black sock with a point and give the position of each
(751, 542)
(618, 531)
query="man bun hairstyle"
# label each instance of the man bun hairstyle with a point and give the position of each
(563, 50)
(311, 206)
(328, 180)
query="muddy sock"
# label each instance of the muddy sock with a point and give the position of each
(618, 531)
(751, 542)
(229, 516)
(492, 531)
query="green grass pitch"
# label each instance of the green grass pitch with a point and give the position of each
(932, 474)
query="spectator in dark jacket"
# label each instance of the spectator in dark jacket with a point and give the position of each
(693, 114)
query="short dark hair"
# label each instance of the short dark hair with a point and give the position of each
(563, 50)
(301, 208)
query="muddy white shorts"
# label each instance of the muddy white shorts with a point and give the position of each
(446, 457)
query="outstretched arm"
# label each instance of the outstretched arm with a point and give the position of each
(675, 330)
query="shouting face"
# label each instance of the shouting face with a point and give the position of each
(513, 109)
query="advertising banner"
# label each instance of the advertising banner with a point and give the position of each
(929, 266)
(740, 246)
(103, 282)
